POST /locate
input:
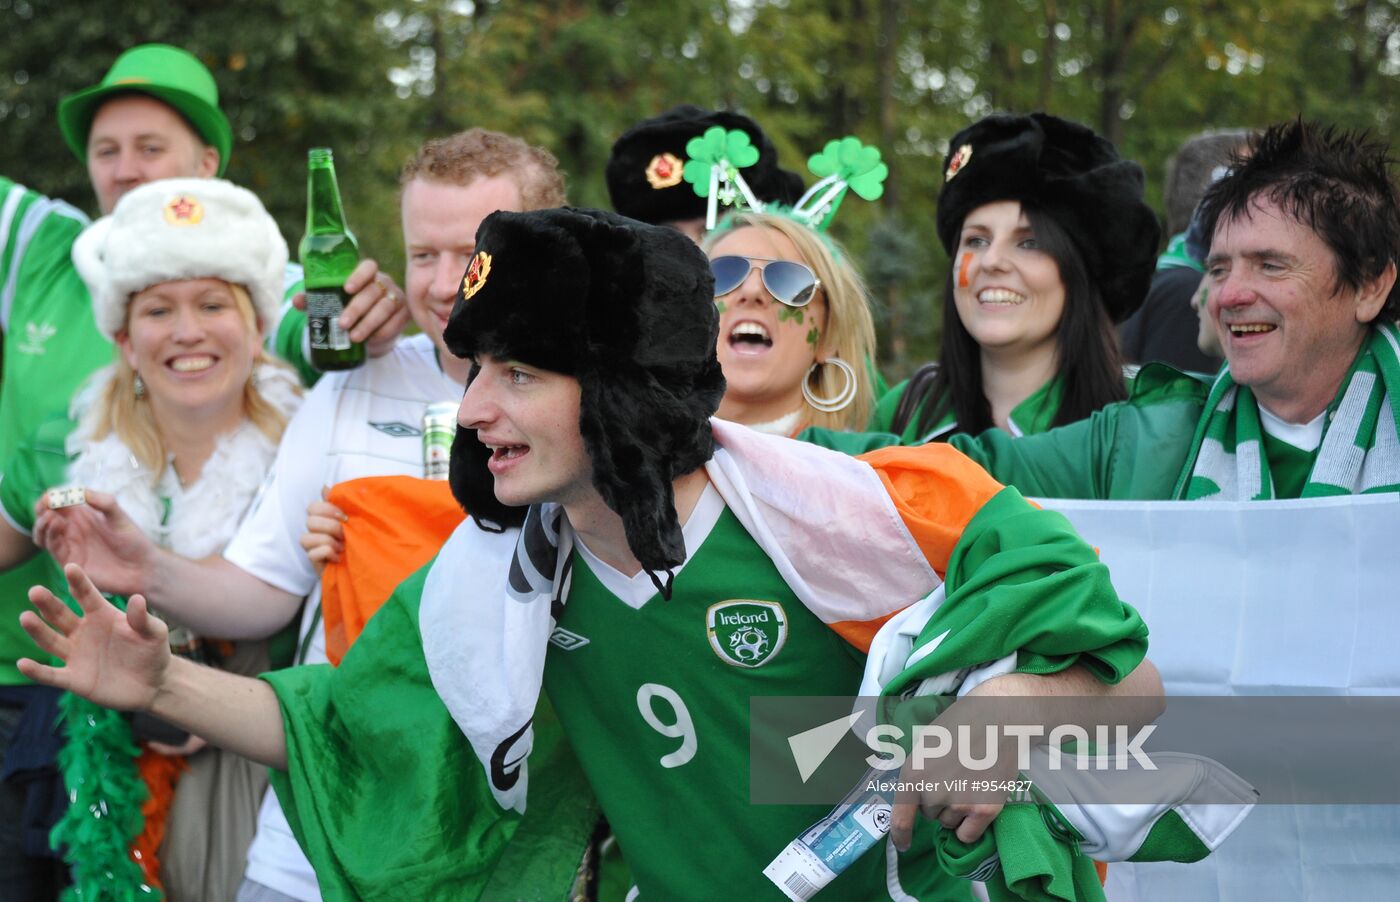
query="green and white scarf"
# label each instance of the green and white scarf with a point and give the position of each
(1360, 449)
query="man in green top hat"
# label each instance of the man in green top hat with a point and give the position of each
(154, 115)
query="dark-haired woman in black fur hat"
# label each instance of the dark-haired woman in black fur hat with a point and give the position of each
(1050, 244)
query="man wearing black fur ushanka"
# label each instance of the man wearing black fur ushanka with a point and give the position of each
(615, 529)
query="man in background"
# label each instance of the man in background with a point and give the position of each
(1165, 328)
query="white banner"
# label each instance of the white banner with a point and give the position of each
(1265, 598)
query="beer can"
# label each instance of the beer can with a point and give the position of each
(439, 428)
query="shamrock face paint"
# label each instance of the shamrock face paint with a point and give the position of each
(765, 347)
(794, 313)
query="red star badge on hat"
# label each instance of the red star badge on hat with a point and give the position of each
(958, 161)
(477, 271)
(664, 170)
(183, 210)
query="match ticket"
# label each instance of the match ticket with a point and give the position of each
(830, 845)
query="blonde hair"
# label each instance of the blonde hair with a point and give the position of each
(850, 328)
(131, 419)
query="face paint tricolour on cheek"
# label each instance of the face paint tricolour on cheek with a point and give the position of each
(962, 270)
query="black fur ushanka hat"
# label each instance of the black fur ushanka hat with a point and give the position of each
(626, 308)
(1071, 174)
(644, 169)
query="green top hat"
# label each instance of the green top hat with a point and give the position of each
(166, 73)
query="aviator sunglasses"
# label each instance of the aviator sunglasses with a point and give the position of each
(788, 282)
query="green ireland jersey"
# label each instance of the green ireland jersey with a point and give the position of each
(655, 700)
(51, 340)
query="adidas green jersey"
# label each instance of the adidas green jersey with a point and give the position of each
(655, 700)
(51, 344)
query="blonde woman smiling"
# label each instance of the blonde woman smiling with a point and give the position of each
(178, 434)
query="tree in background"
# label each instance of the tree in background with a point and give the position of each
(292, 74)
(372, 78)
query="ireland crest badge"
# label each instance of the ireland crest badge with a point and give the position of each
(746, 633)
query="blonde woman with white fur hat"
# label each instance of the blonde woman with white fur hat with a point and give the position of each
(185, 277)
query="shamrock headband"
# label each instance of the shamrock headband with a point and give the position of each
(843, 165)
(712, 169)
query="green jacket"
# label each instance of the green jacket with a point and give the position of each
(1134, 449)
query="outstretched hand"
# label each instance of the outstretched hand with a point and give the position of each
(116, 659)
(98, 536)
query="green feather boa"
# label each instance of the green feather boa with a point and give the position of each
(105, 792)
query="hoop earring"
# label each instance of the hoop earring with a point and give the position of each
(138, 387)
(843, 398)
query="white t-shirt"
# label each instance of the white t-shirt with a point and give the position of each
(361, 422)
(1303, 436)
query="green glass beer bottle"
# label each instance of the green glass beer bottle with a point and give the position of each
(328, 254)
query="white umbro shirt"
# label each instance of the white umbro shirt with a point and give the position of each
(362, 422)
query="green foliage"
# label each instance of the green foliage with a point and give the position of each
(292, 74)
(372, 78)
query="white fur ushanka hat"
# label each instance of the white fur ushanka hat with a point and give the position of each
(181, 229)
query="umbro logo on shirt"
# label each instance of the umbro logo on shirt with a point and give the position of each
(566, 640)
(397, 430)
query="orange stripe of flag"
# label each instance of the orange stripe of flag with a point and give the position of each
(937, 491)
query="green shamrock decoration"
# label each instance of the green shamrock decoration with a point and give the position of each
(719, 306)
(786, 312)
(857, 164)
(732, 149)
(813, 335)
